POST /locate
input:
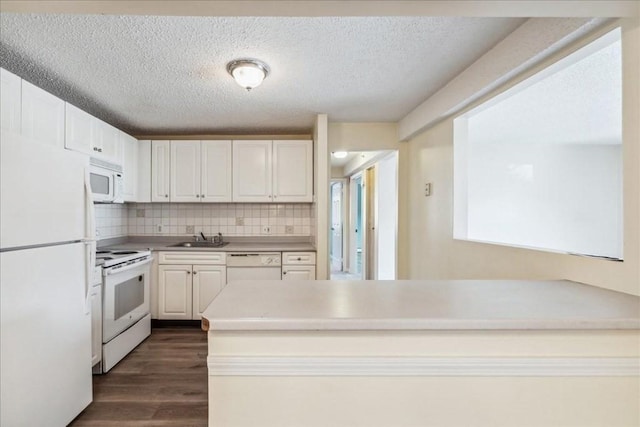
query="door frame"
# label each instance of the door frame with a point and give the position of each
(344, 220)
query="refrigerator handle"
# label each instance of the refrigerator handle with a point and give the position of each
(90, 260)
(90, 214)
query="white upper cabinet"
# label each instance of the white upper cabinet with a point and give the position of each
(216, 171)
(252, 171)
(129, 166)
(42, 116)
(90, 135)
(185, 171)
(292, 171)
(10, 101)
(79, 130)
(144, 172)
(107, 138)
(273, 171)
(160, 170)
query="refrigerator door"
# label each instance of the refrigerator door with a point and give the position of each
(42, 193)
(45, 357)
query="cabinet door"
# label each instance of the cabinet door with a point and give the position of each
(42, 116)
(292, 171)
(185, 171)
(96, 324)
(129, 166)
(299, 272)
(160, 171)
(10, 101)
(216, 171)
(174, 292)
(144, 171)
(107, 139)
(252, 171)
(79, 130)
(208, 281)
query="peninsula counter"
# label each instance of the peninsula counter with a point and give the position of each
(423, 353)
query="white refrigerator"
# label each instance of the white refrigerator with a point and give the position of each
(47, 252)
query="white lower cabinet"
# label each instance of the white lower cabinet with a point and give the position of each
(298, 266)
(96, 324)
(185, 289)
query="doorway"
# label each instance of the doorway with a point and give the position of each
(337, 228)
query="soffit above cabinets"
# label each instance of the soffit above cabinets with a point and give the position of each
(166, 74)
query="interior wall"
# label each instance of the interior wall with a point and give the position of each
(387, 185)
(321, 174)
(434, 254)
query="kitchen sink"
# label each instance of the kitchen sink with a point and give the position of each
(199, 245)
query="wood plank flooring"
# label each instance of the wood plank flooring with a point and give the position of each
(163, 382)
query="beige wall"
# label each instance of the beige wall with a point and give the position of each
(434, 254)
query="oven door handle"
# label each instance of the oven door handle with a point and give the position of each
(110, 271)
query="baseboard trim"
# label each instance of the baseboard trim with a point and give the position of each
(422, 366)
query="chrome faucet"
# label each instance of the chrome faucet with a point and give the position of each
(217, 239)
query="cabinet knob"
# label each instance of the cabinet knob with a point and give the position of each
(195, 272)
(284, 272)
(197, 195)
(188, 272)
(299, 259)
(202, 195)
(166, 195)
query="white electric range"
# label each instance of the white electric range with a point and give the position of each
(126, 319)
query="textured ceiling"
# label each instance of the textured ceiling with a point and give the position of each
(154, 75)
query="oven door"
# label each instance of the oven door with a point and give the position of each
(126, 297)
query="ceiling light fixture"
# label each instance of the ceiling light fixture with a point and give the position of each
(340, 154)
(248, 73)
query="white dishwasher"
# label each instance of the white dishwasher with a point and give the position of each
(254, 266)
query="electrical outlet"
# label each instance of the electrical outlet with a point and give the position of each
(266, 229)
(191, 229)
(159, 228)
(140, 213)
(427, 189)
(288, 229)
(239, 221)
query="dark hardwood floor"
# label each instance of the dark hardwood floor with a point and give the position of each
(163, 382)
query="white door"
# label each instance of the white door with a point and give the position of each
(45, 332)
(208, 281)
(299, 272)
(336, 227)
(160, 170)
(216, 171)
(293, 171)
(107, 138)
(42, 116)
(174, 292)
(129, 166)
(10, 101)
(144, 172)
(252, 171)
(79, 131)
(185, 171)
(33, 210)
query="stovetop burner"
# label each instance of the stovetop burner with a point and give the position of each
(109, 258)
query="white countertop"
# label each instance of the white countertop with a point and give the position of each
(231, 247)
(420, 305)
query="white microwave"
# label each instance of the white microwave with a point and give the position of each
(106, 181)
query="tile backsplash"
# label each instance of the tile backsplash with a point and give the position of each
(230, 219)
(111, 220)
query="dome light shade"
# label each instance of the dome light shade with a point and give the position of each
(248, 73)
(340, 154)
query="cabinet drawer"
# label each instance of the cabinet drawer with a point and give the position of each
(186, 257)
(299, 258)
